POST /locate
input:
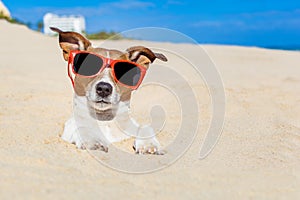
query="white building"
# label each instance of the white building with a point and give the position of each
(65, 23)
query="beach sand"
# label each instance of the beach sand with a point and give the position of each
(256, 157)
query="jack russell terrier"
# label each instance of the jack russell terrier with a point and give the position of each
(103, 81)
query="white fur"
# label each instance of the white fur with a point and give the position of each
(114, 98)
(81, 45)
(134, 55)
(87, 132)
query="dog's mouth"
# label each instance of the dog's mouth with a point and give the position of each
(102, 110)
(102, 102)
(101, 106)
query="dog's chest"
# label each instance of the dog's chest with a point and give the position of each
(112, 131)
(109, 129)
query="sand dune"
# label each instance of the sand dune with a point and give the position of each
(257, 156)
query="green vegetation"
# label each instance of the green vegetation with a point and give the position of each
(40, 26)
(103, 35)
(11, 20)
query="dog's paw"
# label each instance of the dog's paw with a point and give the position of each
(149, 150)
(83, 138)
(147, 146)
(92, 146)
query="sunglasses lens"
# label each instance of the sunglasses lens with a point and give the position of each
(87, 64)
(127, 73)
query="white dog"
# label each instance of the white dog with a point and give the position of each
(103, 81)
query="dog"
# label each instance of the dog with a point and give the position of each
(102, 103)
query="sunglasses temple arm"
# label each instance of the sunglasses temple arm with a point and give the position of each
(70, 76)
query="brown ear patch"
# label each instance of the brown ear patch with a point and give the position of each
(57, 30)
(71, 41)
(72, 38)
(161, 56)
(135, 52)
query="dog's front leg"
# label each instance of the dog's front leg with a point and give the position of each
(145, 139)
(83, 137)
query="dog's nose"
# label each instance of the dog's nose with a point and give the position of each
(103, 89)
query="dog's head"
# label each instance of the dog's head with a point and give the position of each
(102, 92)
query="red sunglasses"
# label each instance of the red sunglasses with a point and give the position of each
(88, 64)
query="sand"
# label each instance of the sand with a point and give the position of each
(257, 156)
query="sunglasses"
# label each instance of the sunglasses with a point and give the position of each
(88, 64)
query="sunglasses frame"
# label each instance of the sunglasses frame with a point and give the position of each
(107, 63)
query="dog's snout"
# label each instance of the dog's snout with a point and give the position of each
(103, 89)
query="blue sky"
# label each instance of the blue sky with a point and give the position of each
(238, 22)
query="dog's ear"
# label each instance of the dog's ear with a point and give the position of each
(143, 55)
(71, 41)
